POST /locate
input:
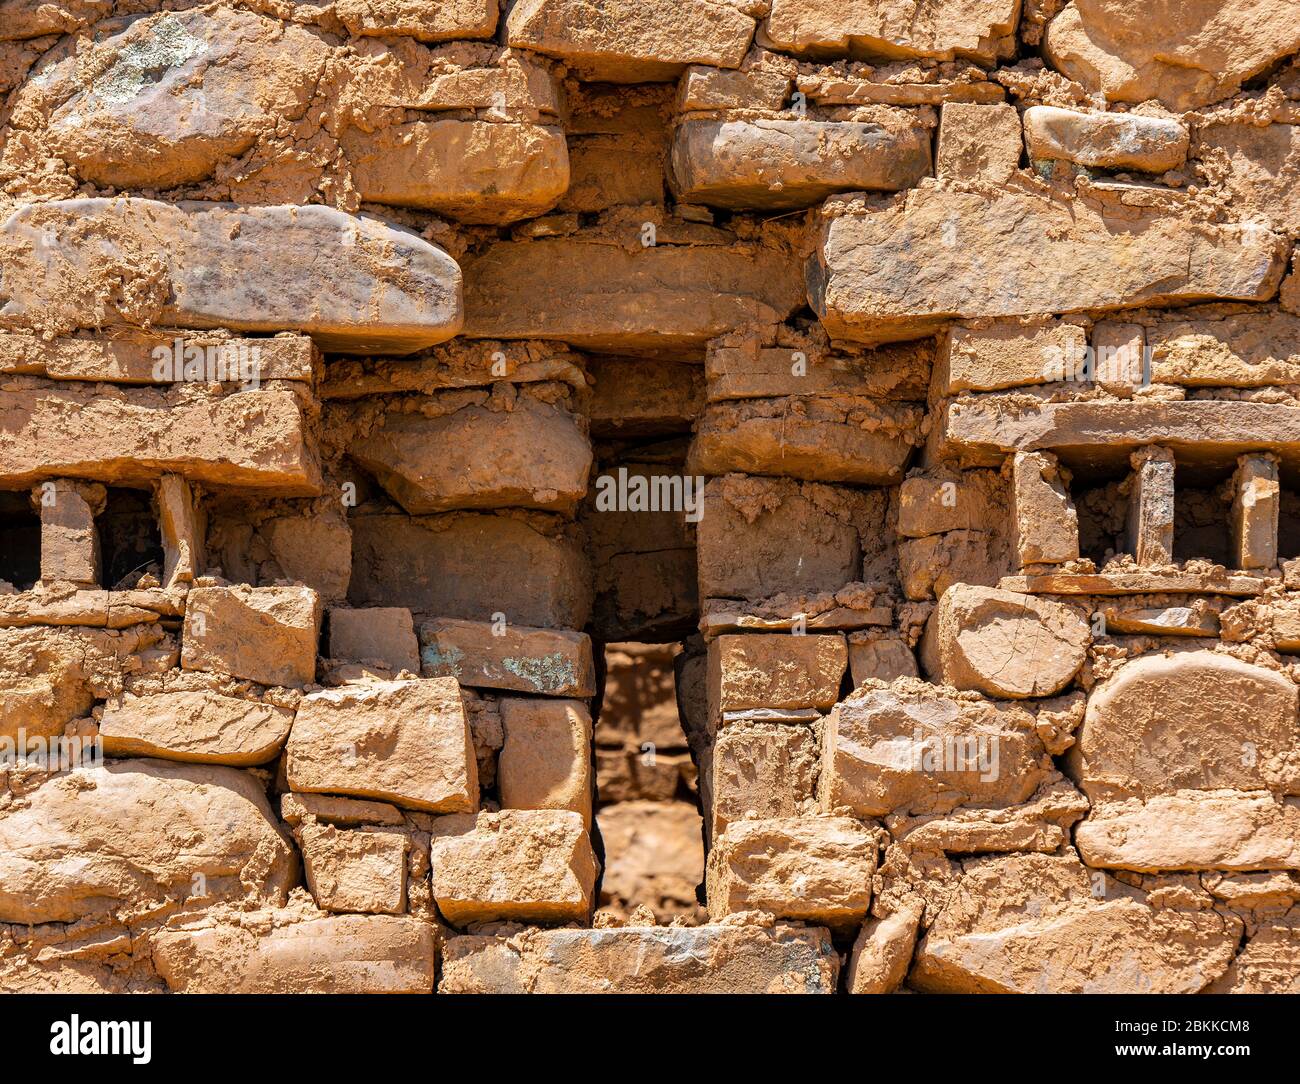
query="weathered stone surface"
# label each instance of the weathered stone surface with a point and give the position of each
(531, 456)
(602, 296)
(424, 22)
(772, 670)
(199, 726)
(860, 441)
(913, 747)
(1003, 644)
(1075, 584)
(763, 536)
(181, 528)
(362, 870)
(341, 812)
(1270, 962)
(469, 170)
(381, 633)
(1046, 522)
(818, 869)
(1193, 830)
(126, 355)
(333, 954)
(931, 504)
(882, 953)
(900, 272)
(353, 284)
(256, 439)
(550, 662)
(772, 164)
(879, 659)
(650, 960)
(1043, 824)
(767, 769)
(1032, 924)
(161, 101)
(1161, 620)
(763, 82)
(1151, 508)
(265, 634)
(1191, 54)
(1256, 505)
(55, 675)
(406, 742)
(33, 19)
(122, 839)
(927, 567)
(1261, 163)
(978, 142)
(545, 762)
(1106, 140)
(984, 429)
(1183, 722)
(472, 567)
(1186, 758)
(69, 541)
(747, 365)
(626, 42)
(1244, 350)
(893, 28)
(1011, 354)
(531, 865)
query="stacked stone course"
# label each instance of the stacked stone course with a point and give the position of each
(722, 495)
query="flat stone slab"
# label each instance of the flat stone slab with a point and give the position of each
(1137, 583)
(903, 271)
(533, 455)
(353, 284)
(255, 439)
(1193, 830)
(547, 662)
(473, 171)
(855, 440)
(984, 429)
(597, 294)
(407, 742)
(90, 608)
(333, 954)
(1106, 140)
(625, 41)
(892, 28)
(525, 865)
(130, 356)
(199, 726)
(644, 960)
(793, 163)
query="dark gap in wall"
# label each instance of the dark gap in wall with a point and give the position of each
(130, 542)
(20, 541)
(1202, 517)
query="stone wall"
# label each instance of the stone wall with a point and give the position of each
(470, 473)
